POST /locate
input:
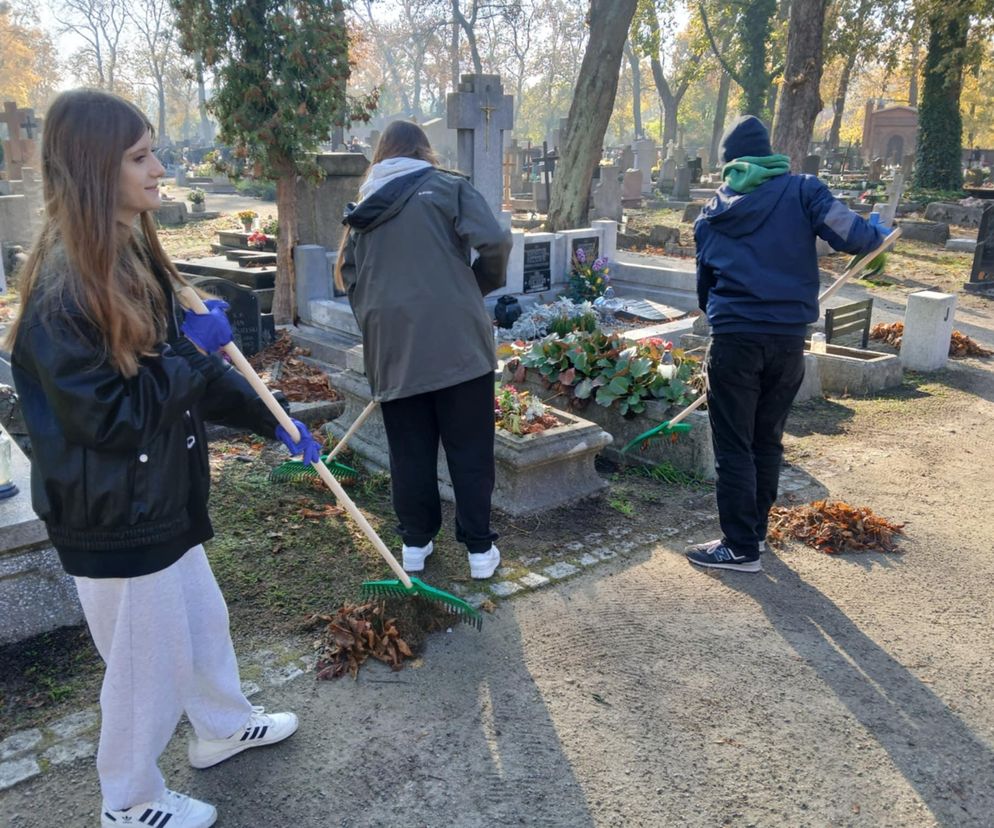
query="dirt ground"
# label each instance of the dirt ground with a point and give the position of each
(849, 690)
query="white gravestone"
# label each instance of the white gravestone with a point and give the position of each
(645, 154)
(928, 329)
(480, 113)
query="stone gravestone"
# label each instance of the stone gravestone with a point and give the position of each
(591, 245)
(481, 112)
(631, 189)
(19, 151)
(607, 194)
(681, 185)
(250, 329)
(627, 161)
(876, 169)
(982, 272)
(538, 266)
(894, 192)
(908, 165)
(320, 205)
(645, 155)
(811, 164)
(696, 167)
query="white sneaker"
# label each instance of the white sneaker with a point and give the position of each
(173, 810)
(414, 556)
(261, 729)
(483, 564)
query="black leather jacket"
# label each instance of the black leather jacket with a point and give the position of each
(119, 467)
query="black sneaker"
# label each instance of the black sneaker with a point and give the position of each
(715, 555)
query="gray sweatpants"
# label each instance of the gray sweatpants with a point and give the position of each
(165, 640)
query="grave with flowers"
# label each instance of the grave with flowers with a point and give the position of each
(544, 456)
(624, 387)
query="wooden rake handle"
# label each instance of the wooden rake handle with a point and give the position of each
(370, 406)
(191, 299)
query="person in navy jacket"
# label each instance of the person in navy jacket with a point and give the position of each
(757, 280)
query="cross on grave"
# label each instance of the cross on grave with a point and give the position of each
(480, 112)
(19, 151)
(30, 125)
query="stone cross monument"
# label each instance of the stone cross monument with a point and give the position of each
(480, 113)
(19, 151)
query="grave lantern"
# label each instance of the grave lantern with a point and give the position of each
(7, 487)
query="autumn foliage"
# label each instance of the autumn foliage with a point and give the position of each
(832, 526)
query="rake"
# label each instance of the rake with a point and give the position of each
(676, 424)
(294, 471)
(404, 584)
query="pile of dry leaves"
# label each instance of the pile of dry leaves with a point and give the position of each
(832, 526)
(960, 345)
(280, 366)
(391, 631)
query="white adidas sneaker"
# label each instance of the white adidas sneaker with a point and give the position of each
(414, 556)
(483, 564)
(171, 810)
(261, 729)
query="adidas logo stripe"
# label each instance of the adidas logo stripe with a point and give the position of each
(255, 733)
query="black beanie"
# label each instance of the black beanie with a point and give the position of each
(747, 136)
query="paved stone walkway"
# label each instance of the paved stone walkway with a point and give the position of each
(28, 753)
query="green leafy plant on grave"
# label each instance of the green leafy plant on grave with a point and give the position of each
(196, 196)
(587, 279)
(562, 324)
(610, 371)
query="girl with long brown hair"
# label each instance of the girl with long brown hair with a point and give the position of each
(115, 383)
(420, 251)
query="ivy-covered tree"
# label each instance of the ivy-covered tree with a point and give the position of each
(940, 124)
(753, 25)
(281, 70)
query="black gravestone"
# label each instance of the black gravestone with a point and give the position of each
(982, 273)
(811, 164)
(538, 267)
(590, 244)
(251, 330)
(696, 168)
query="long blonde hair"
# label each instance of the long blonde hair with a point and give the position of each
(109, 267)
(400, 139)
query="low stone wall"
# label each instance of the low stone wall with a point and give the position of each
(535, 473)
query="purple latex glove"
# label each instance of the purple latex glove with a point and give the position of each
(209, 331)
(307, 446)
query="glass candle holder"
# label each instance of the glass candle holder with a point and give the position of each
(7, 487)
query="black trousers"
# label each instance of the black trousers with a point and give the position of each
(462, 416)
(752, 382)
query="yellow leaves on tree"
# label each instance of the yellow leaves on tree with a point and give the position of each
(27, 60)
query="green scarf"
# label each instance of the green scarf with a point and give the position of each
(745, 174)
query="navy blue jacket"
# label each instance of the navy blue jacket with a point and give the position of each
(757, 269)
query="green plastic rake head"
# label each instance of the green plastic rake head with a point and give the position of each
(462, 611)
(296, 471)
(664, 429)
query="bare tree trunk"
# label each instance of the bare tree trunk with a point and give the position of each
(284, 298)
(633, 61)
(206, 132)
(800, 101)
(840, 101)
(590, 111)
(720, 111)
(454, 55)
(914, 69)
